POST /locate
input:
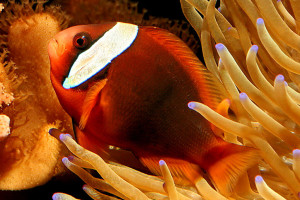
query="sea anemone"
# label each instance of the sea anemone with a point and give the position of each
(27, 97)
(119, 180)
(256, 43)
(246, 45)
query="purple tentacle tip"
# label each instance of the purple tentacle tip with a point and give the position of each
(243, 96)
(162, 162)
(84, 186)
(71, 158)
(296, 153)
(51, 130)
(191, 105)
(259, 21)
(55, 196)
(258, 179)
(64, 159)
(254, 48)
(220, 46)
(63, 136)
(279, 78)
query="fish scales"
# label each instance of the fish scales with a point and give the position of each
(135, 97)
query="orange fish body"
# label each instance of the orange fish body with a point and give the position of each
(138, 99)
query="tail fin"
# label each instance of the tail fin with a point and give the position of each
(229, 162)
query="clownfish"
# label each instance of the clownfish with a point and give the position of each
(129, 86)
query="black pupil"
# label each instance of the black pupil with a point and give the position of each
(80, 41)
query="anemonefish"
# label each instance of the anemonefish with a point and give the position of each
(129, 86)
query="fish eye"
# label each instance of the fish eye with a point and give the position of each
(82, 40)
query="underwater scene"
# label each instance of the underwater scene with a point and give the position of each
(137, 99)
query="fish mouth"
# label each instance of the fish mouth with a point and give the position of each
(55, 49)
(52, 47)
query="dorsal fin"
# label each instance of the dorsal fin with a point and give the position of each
(211, 91)
(90, 101)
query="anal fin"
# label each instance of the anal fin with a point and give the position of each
(183, 172)
(233, 161)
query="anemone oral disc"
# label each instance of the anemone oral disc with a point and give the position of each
(101, 53)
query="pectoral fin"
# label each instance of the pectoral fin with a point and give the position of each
(92, 97)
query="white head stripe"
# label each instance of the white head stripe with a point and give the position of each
(101, 53)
